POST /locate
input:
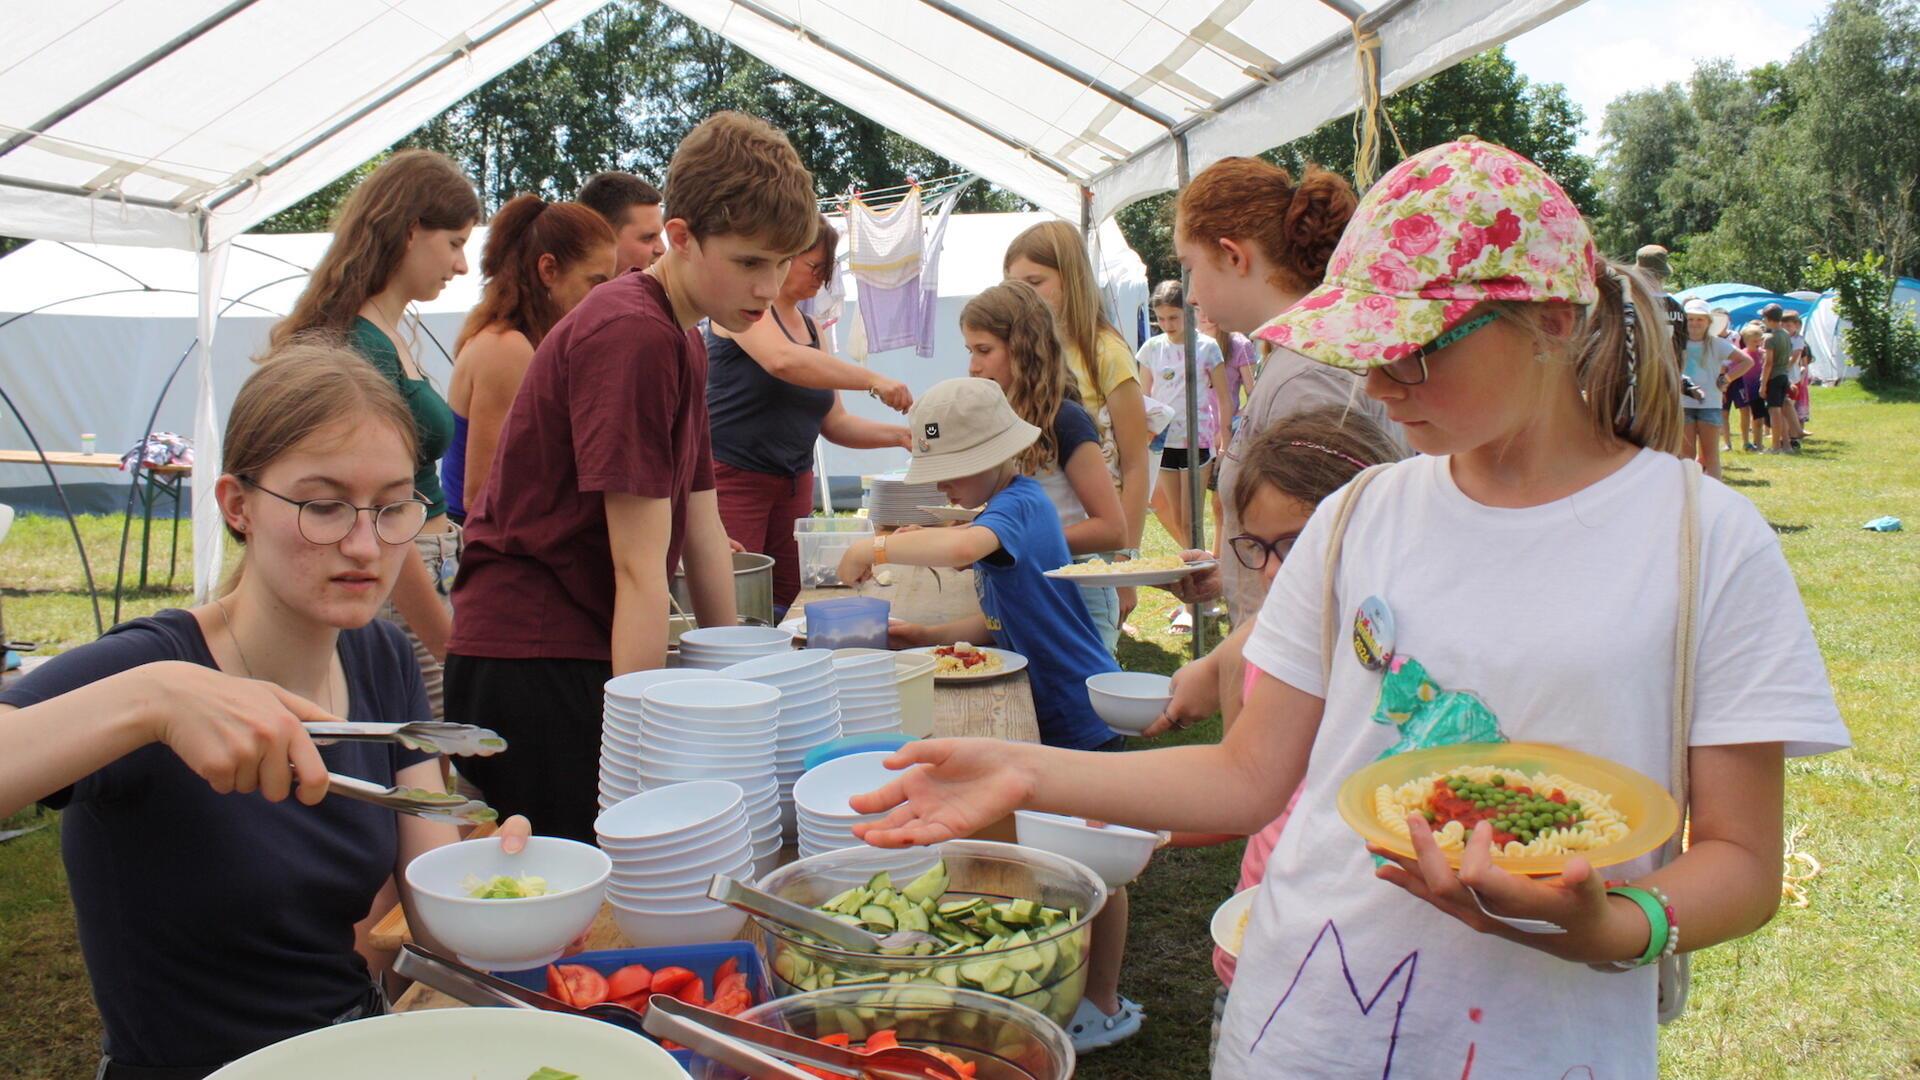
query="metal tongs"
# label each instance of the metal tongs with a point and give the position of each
(420, 802)
(430, 736)
(747, 1046)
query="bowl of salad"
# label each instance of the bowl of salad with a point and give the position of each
(970, 1029)
(1011, 921)
(508, 912)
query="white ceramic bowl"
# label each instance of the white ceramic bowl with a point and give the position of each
(657, 869)
(677, 847)
(710, 698)
(693, 887)
(698, 748)
(676, 882)
(813, 699)
(661, 813)
(481, 1044)
(811, 714)
(647, 929)
(709, 734)
(1129, 701)
(1115, 852)
(508, 935)
(745, 760)
(626, 689)
(825, 789)
(735, 637)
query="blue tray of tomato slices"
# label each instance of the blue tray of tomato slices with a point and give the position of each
(696, 974)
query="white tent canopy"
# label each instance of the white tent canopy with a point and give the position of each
(184, 123)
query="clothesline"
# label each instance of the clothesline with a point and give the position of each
(930, 191)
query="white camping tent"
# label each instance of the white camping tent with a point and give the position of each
(109, 323)
(1825, 331)
(184, 123)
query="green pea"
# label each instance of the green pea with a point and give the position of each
(1498, 780)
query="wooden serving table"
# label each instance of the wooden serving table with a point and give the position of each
(999, 708)
(151, 483)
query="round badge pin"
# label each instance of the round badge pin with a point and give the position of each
(1373, 634)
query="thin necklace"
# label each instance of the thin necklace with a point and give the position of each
(226, 620)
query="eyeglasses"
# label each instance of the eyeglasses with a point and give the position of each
(1411, 370)
(325, 522)
(1254, 552)
(817, 267)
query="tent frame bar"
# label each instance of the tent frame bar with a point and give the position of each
(380, 102)
(86, 193)
(125, 74)
(1048, 60)
(1351, 11)
(818, 42)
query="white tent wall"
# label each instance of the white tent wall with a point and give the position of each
(98, 365)
(1826, 331)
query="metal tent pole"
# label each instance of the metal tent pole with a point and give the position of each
(1196, 491)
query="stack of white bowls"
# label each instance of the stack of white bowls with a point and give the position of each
(620, 730)
(666, 844)
(809, 714)
(869, 697)
(825, 820)
(716, 729)
(711, 648)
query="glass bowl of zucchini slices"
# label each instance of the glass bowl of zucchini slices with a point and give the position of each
(1010, 920)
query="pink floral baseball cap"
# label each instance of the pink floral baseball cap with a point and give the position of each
(1449, 228)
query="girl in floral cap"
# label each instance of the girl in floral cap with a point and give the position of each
(1528, 573)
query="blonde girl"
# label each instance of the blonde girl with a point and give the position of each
(397, 240)
(1531, 555)
(1052, 258)
(216, 914)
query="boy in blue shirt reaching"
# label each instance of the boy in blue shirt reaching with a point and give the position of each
(967, 439)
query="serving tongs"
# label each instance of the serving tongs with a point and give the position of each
(419, 802)
(752, 1048)
(429, 736)
(476, 987)
(739, 894)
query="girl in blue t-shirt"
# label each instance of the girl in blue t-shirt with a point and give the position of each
(969, 440)
(176, 740)
(1012, 340)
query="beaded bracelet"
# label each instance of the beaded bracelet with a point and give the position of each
(1664, 937)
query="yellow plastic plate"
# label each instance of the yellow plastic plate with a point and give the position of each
(1651, 813)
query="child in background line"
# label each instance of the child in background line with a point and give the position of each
(970, 441)
(1546, 415)
(1188, 456)
(1753, 426)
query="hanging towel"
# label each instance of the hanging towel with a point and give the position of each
(926, 329)
(884, 252)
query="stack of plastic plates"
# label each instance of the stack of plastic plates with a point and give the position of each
(869, 695)
(711, 648)
(825, 819)
(620, 730)
(893, 501)
(666, 844)
(709, 729)
(809, 714)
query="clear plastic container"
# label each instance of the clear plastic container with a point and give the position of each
(822, 542)
(847, 622)
(1053, 965)
(999, 1035)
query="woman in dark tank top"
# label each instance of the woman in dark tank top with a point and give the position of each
(771, 393)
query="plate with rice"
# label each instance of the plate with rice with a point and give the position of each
(1158, 570)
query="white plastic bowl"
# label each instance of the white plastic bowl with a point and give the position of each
(848, 662)
(825, 789)
(810, 698)
(677, 847)
(734, 637)
(481, 1044)
(710, 698)
(710, 735)
(655, 869)
(646, 929)
(667, 774)
(665, 811)
(508, 935)
(779, 669)
(626, 689)
(1115, 852)
(746, 760)
(1129, 701)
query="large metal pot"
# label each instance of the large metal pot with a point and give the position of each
(752, 587)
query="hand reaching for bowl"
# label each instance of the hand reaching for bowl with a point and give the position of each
(1196, 696)
(951, 788)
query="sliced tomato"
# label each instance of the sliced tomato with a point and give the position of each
(731, 1004)
(724, 985)
(727, 969)
(838, 1038)
(694, 993)
(631, 986)
(884, 1039)
(671, 980)
(557, 986)
(584, 985)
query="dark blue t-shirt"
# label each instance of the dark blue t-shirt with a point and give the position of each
(1041, 618)
(213, 925)
(761, 423)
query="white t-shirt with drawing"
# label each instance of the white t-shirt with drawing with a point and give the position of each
(1561, 619)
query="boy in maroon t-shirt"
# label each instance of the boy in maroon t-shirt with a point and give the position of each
(603, 480)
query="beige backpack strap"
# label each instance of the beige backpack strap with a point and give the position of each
(1330, 614)
(1675, 972)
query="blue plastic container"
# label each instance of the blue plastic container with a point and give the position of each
(847, 622)
(702, 960)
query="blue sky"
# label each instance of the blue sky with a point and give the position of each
(1605, 48)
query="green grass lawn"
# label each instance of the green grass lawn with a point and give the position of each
(1828, 990)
